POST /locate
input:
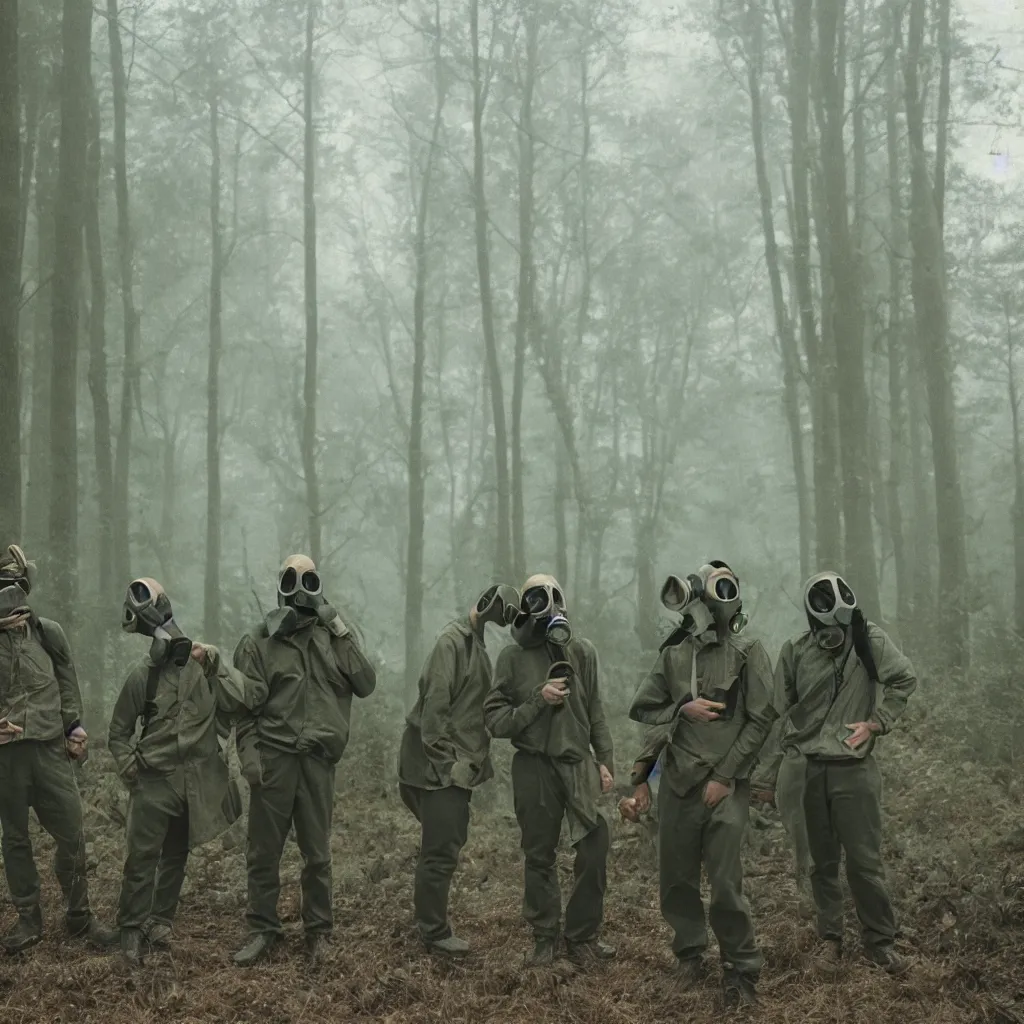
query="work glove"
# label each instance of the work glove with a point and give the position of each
(328, 616)
(462, 774)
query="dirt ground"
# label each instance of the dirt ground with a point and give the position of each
(956, 863)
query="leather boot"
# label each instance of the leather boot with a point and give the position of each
(27, 932)
(93, 931)
(258, 947)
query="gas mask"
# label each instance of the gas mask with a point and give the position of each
(541, 614)
(300, 593)
(498, 604)
(147, 610)
(831, 607)
(709, 597)
(16, 573)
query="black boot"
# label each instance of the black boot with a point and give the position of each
(256, 949)
(131, 946)
(738, 989)
(27, 932)
(584, 953)
(93, 931)
(543, 954)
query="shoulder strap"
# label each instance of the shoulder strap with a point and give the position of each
(46, 639)
(149, 708)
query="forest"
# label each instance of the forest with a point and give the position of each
(447, 292)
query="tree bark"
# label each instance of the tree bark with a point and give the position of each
(894, 339)
(1017, 513)
(10, 274)
(35, 526)
(211, 580)
(525, 297)
(783, 323)
(69, 215)
(98, 367)
(503, 553)
(417, 497)
(928, 286)
(121, 523)
(309, 388)
(848, 321)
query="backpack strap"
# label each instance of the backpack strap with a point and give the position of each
(149, 708)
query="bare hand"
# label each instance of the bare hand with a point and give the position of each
(642, 796)
(555, 692)
(199, 653)
(9, 731)
(75, 743)
(702, 710)
(607, 780)
(715, 793)
(862, 731)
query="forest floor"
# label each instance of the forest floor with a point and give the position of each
(956, 863)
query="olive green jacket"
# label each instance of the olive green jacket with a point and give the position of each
(818, 705)
(192, 704)
(38, 692)
(445, 742)
(309, 678)
(736, 672)
(574, 736)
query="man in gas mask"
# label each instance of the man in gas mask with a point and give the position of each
(826, 684)
(708, 705)
(311, 665)
(41, 734)
(183, 694)
(445, 755)
(546, 700)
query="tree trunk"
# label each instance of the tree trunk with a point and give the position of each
(848, 319)
(130, 373)
(503, 554)
(525, 298)
(942, 125)
(928, 286)
(69, 215)
(101, 612)
(417, 498)
(309, 445)
(98, 367)
(783, 324)
(1017, 515)
(894, 341)
(10, 274)
(562, 494)
(37, 498)
(211, 581)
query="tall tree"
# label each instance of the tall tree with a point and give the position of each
(928, 287)
(481, 87)
(130, 323)
(10, 275)
(211, 582)
(97, 375)
(309, 386)
(417, 470)
(848, 318)
(526, 284)
(783, 322)
(70, 215)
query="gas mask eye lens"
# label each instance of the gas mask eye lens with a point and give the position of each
(726, 589)
(821, 598)
(556, 596)
(535, 600)
(289, 581)
(311, 582)
(845, 592)
(140, 592)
